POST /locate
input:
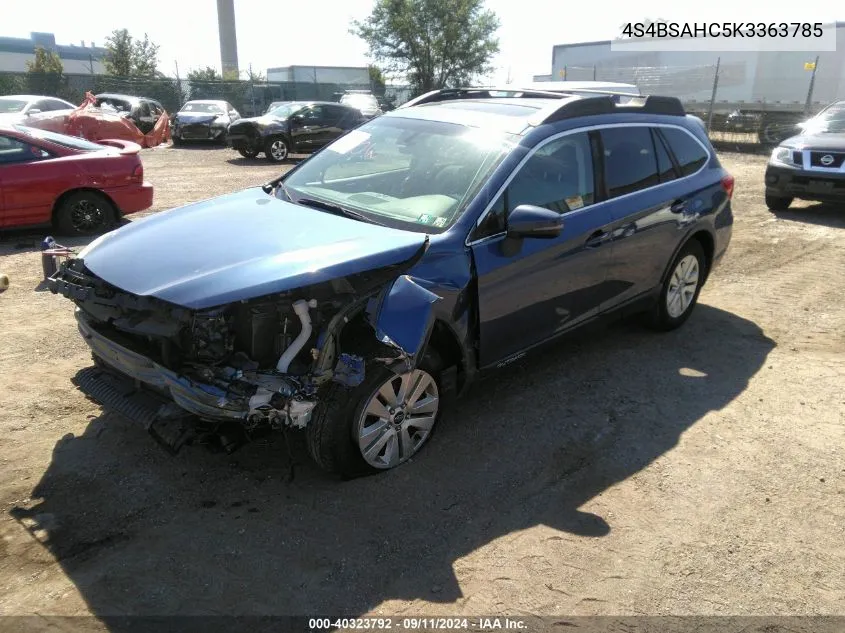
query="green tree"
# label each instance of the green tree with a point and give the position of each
(44, 73)
(130, 57)
(434, 43)
(205, 83)
(377, 81)
(119, 53)
(145, 57)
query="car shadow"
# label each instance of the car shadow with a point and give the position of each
(263, 162)
(142, 533)
(822, 214)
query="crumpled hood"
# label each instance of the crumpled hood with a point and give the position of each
(261, 121)
(241, 246)
(834, 141)
(196, 117)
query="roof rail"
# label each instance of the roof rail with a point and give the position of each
(605, 104)
(452, 94)
(592, 102)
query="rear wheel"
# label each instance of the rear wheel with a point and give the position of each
(778, 203)
(276, 149)
(379, 424)
(681, 289)
(85, 213)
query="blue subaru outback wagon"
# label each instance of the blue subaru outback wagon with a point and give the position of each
(443, 239)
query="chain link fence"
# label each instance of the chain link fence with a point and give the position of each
(250, 98)
(736, 114)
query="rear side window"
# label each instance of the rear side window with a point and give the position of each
(690, 155)
(665, 167)
(630, 163)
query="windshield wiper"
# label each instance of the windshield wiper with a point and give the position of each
(337, 210)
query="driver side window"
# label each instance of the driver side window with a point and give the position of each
(558, 176)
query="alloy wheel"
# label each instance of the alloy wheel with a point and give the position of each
(682, 286)
(86, 215)
(398, 419)
(278, 150)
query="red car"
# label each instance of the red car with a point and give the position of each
(82, 188)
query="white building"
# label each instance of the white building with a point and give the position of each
(15, 52)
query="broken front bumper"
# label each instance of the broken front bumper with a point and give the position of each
(205, 401)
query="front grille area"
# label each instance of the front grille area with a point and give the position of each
(828, 160)
(196, 130)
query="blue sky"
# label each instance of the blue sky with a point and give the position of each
(277, 33)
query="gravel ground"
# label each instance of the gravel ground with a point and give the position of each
(621, 473)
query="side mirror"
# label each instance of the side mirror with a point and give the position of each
(33, 111)
(528, 220)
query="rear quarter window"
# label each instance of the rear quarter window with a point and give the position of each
(689, 153)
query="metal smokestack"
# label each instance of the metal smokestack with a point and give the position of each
(228, 36)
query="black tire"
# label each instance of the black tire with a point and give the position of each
(85, 213)
(177, 141)
(271, 145)
(660, 318)
(332, 431)
(248, 153)
(778, 203)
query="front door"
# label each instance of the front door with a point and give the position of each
(28, 181)
(533, 289)
(310, 130)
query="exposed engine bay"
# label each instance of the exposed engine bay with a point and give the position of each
(260, 362)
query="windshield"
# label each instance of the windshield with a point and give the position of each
(360, 101)
(60, 139)
(8, 106)
(284, 110)
(831, 119)
(408, 173)
(206, 108)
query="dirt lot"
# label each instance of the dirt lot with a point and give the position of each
(699, 472)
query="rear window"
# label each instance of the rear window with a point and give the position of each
(60, 139)
(691, 156)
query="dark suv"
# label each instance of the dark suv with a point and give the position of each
(811, 165)
(434, 243)
(292, 127)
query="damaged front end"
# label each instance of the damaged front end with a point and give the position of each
(258, 363)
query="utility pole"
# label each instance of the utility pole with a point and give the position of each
(713, 94)
(179, 85)
(252, 89)
(809, 102)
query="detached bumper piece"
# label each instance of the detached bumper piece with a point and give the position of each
(169, 425)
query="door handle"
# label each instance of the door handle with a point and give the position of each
(679, 206)
(597, 239)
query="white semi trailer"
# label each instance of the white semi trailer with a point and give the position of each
(769, 90)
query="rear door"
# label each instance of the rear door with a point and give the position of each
(29, 178)
(532, 289)
(651, 201)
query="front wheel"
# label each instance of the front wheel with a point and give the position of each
(681, 289)
(777, 203)
(276, 150)
(248, 153)
(85, 213)
(378, 425)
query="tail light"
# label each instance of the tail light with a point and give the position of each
(728, 185)
(138, 173)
